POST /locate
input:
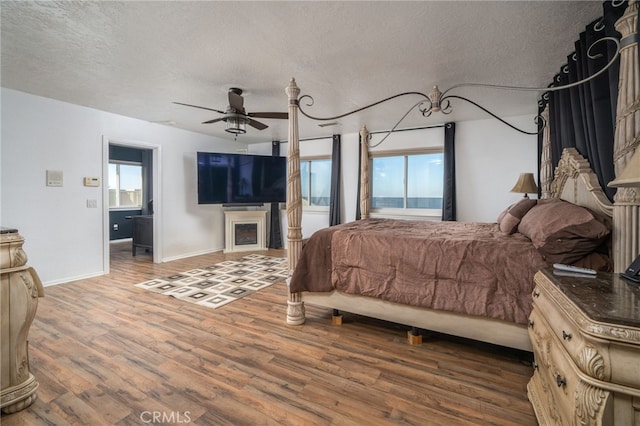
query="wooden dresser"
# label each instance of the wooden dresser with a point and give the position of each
(585, 333)
(20, 290)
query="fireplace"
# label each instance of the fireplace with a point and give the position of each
(245, 230)
(246, 233)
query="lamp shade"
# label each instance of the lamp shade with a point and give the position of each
(630, 176)
(525, 184)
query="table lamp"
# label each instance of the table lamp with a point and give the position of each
(525, 185)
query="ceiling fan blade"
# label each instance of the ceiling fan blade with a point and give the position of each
(215, 120)
(201, 107)
(236, 101)
(256, 124)
(280, 115)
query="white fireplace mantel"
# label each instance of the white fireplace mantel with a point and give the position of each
(245, 230)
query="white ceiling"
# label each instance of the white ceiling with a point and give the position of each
(136, 58)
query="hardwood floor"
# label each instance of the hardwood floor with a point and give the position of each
(108, 353)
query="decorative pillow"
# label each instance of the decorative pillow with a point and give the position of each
(563, 232)
(503, 214)
(514, 213)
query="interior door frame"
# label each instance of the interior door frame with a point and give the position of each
(157, 194)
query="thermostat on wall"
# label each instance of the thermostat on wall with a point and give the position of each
(91, 181)
(54, 177)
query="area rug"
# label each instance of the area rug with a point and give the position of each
(216, 285)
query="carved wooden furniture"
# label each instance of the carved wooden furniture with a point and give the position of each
(586, 341)
(142, 233)
(626, 211)
(19, 295)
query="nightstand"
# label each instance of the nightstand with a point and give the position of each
(585, 333)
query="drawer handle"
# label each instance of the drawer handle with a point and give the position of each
(536, 293)
(530, 324)
(566, 336)
(534, 365)
(560, 381)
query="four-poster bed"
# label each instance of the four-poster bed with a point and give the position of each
(572, 181)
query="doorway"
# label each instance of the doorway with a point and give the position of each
(131, 201)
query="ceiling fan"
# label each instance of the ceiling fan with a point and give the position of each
(235, 115)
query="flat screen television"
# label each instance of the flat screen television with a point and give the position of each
(241, 178)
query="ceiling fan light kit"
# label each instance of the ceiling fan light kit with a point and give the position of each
(235, 116)
(236, 125)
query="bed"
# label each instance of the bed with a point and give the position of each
(344, 282)
(476, 282)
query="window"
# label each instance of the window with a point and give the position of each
(315, 182)
(125, 185)
(408, 181)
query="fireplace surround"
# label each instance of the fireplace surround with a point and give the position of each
(245, 230)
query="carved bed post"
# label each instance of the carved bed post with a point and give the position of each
(295, 305)
(364, 174)
(546, 168)
(626, 211)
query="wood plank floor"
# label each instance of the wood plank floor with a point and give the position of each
(108, 353)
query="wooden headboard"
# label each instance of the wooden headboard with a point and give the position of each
(574, 181)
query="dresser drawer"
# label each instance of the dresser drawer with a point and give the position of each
(564, 397)
(582, 349)
(553, 404)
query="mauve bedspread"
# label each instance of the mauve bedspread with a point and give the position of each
(469, 268)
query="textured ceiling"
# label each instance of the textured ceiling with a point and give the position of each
(135, 58)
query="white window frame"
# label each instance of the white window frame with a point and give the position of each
(319, 209)
(127, 163)
(432, 214)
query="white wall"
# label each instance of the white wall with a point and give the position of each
(64, 238)
(489, 158)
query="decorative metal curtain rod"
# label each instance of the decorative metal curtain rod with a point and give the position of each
(437, 101)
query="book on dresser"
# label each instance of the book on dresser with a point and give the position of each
(585, 332)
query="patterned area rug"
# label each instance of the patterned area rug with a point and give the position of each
(222, 283)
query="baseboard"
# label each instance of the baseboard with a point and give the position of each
(71, 279)
(184, 256)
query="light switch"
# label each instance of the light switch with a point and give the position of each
(92, 204)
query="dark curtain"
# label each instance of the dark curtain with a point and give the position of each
(449, 189)
(358, 213)
(147, 181)
(542, 103)
(275, 236)
(584, 116)
(334, 200)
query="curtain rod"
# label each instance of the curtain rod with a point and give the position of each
(435, 126)
(309, 139)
